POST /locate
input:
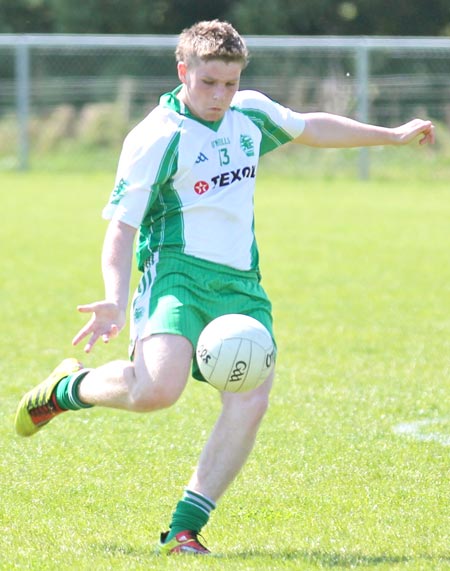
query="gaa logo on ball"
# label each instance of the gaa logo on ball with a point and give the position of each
(235, 353)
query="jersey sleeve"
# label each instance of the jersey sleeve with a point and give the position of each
(278, 124)
(144, 166)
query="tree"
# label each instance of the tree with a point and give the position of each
(340, 17)
(284, 17)
(25, 16)
(107, 16)
(292, 17)
(402, 17)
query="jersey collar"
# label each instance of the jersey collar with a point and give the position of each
(171, 101)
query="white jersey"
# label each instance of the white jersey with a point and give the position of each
(189, 184)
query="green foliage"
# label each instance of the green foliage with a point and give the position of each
(359, 279)
(324, 17)
(403, 17)
(355, 17)
(107, 16)
(286, 17)
(23, 16)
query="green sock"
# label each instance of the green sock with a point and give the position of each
(192, 513)
(66, 391)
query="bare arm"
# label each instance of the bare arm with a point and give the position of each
(327, 130)
(109, 315)
(117, 256)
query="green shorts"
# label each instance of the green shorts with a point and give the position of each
(181, 294)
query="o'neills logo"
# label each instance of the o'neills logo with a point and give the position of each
(201, 187)
(225, 179)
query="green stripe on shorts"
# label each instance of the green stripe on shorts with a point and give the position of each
(181, 294)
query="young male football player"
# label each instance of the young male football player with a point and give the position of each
(185, 184)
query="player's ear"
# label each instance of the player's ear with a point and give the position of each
(182, 71)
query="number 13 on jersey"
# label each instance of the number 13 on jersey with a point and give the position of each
(224, 157)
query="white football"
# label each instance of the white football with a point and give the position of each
(235, 353)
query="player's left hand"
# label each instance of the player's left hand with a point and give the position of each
(406, 133)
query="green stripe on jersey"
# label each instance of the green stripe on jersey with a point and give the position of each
(164, 202)
(273, 136)
(254, 249)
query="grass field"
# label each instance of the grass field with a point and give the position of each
(359, 275)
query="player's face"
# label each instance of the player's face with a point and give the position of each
(209, 87)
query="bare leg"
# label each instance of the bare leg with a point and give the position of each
(153, 381)
(231, 441)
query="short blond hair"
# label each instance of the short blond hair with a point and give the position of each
(211, 40)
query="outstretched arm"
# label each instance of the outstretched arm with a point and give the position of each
(109, 315)
(334, 131)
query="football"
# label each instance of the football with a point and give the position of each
(235, 353)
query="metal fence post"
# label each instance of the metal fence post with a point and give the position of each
(23, 102)
(362, 73)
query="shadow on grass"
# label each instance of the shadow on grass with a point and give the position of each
(321, 559)
(329, 560)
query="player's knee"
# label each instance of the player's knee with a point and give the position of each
(165, 395)
(251, 406)
(253, 409)
(259, 404)
(148, 395)
(154, 398)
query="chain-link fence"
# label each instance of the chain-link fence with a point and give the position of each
(74, 94)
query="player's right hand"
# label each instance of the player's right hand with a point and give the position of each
(107, 321)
